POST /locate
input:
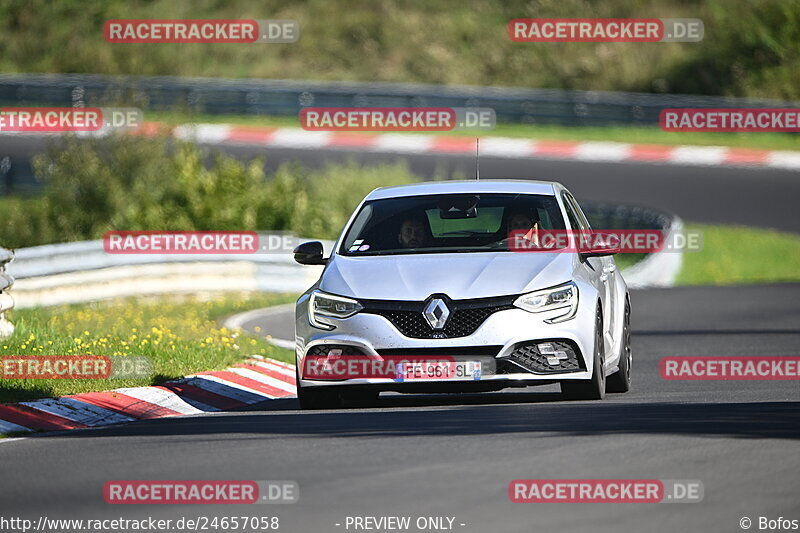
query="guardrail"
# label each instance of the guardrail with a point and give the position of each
(614, 216)
(83, 271)
(288, 97)
(6, 301)
(657, 269)
(77, 272)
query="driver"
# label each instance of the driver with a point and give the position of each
(413, 233)
(522, 221)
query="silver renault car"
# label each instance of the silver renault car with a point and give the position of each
(423, 292)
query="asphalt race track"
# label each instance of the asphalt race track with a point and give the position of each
(455, 455)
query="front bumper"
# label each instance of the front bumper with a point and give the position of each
(505, 343)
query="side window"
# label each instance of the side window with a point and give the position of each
(574, 222)
(578, 212)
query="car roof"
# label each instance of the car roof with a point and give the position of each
(468, 187)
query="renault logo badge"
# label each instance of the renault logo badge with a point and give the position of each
(436, 313)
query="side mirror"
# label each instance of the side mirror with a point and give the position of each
(601, 245)
(309, 253)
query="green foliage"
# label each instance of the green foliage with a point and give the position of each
(136, 183)
(178, 334)
(734, 255)
(750, 46)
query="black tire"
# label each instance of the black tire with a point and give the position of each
(620, 381)
(361, 397)
(594, 388)
(316, 397)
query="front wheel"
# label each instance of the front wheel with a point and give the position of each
(316, 397)
(620, 381)
(594, 388)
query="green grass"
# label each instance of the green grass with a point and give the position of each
(627, 260)
(749, 49)
(180, 335)
(624, 134)
(734, 255)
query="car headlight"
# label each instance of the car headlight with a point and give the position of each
(322, 305)
(563, 297)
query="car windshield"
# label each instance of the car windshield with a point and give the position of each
(447, 223)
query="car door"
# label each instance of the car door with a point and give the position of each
(604, 267)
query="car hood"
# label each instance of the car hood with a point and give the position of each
(458, 275)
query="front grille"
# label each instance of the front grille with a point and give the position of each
(529, 357)
(466, 316)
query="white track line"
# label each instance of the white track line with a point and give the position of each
(603, 151)
(503, 147)
(10, 427)
(165, 398)
(297, 138)
(402, 143)
(264, 364)
(699, 155)
(206, 378)
(203, 133)
(265, 379)
(77, 411)
(226, 390)
(780, 159)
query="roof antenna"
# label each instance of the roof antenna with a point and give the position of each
(477, 158)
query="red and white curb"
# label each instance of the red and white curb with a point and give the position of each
(253, 381)
(505, 147)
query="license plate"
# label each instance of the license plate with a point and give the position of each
(439, 371)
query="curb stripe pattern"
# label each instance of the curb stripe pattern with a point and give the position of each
(29, 418)
(506, 147)
(124, 405)
(254, 381)
(201, 397)
(490, 146)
